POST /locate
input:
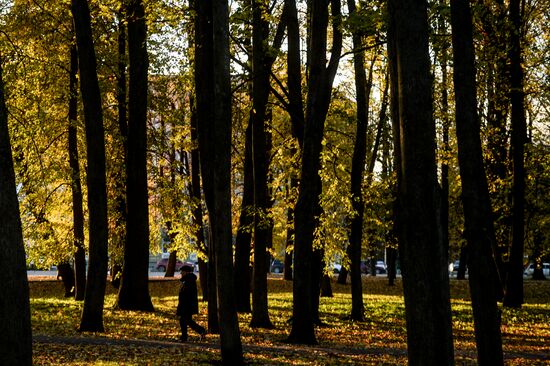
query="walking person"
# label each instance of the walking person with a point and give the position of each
(188, 303)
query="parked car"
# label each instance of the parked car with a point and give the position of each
(380, 267)
(531, 268)
(163, 264)
(277, 266)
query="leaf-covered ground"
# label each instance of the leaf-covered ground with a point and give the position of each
(139, 338)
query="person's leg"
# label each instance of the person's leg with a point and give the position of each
(196, 327)
(184, 320)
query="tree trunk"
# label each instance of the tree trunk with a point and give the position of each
(197, 201)
(357, 169)
(118, 235)
(513, 296)
(76, 187)
(498, 104)
(427, 304)
(171, 265)
(244, 235)
(475, 192)
(92, 313)
(320, 79)
(290, 233)
(443, 55)
(462, 264)
(15, 316)
(391, 258)
(261, 68)
(134, 287)
(215, 149)
(396, 133)
(297, 118)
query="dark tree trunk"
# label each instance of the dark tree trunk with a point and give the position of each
(396, 133)
(118, 235)
(326, 288)
(76, 186)
(396, 138)
(92, 313)
(197, 201)
(357, 169)
(462, 264)
(15, 315)
(498, 104)
(443, 55)
(215, 150)
(297, 118)
(171, 265)
(290, 233)
(316, 274)
(244, 235)
(320, 79)
(66, 272)
(134, 287)
(391, 257)
(513, 296)
(261, 67)
(479, 228)
(294, 78)
(343, 274)
(427, 304)
(204, 90)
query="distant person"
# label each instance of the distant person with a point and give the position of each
(188, 303)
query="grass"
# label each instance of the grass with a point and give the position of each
(381, 339)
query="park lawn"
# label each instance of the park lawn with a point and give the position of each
(381, 339)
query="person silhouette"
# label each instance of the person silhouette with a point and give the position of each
(188, 303)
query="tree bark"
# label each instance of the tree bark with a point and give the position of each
(76, 186)
(320, 79)
(244, 235)
(15, 316)
(446, 150)
(92, 313)
(427, 304)
(134, 287)
(396, 133)
(513, 296)
(357, 170)
(475, 192)
(261, 67)
(118, 236)
(198, 221)
(293, 185)
(215, 150)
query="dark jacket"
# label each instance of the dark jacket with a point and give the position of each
(187, 299)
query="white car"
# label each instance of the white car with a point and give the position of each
(531, 268)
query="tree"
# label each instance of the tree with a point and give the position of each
(320, 79)
(427, 305)
(214, 129)
(513, 296)
(92, 314)
(134, 287)
(78, 212)
(15, 315)
(118, 235)
(479, 231)
(357, 169)
(262, 61)
(244, 235)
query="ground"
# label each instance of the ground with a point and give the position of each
(138, 338)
